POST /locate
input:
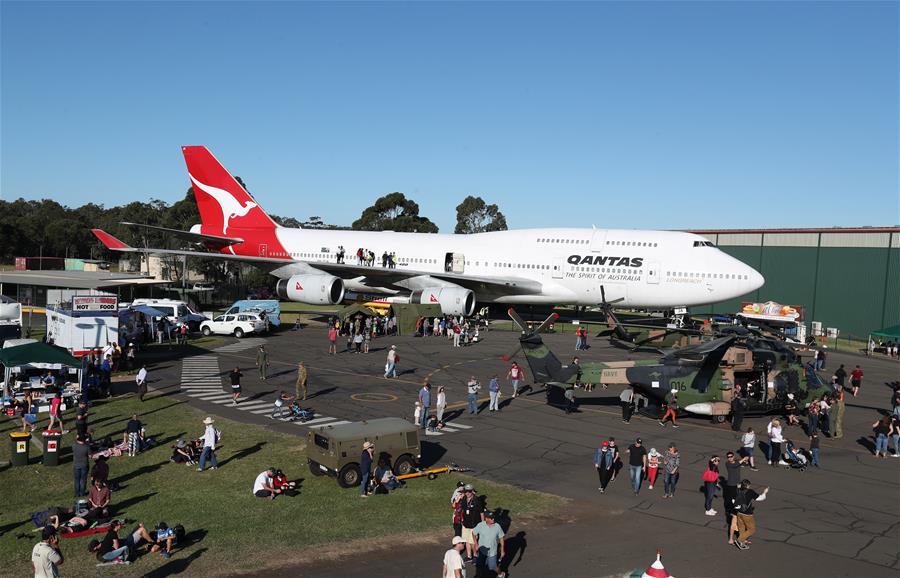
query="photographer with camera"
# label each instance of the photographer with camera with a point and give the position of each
(472, 388)
(45, 556)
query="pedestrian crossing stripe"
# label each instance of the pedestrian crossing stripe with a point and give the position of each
(260, 411)
(209, 395)
(459, 425)
(433, 433)
(246, 405)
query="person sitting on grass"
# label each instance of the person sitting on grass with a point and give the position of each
(183, 453)
(384, 476)
(164, 540)
(111, 549)
(282, 485)
(263, 486)
(99, 500)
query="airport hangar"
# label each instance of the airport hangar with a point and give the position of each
(847, 278)
(48, 287)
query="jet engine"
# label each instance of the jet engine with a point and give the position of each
(453, 300)
(312, 289)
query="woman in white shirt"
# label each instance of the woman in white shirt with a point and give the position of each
(775, 439)
(748, 442)
(441, 404)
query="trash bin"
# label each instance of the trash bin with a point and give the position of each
(52, 439)
(18, 447)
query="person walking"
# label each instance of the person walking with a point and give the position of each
(425, 403)
(81, 419)
(472, 388)
(732, 480)
(441, 403)
(653, 460)
(300, 389)
(671, 409)
(775, 441)
(626, 399)
(637, 464)
(454, 566)
(744, 508)
(56, 412)
(46, 556)
(814, 449)
(80, 453)
(489, 544)
(605, 464)
(514, 375)
(365, 468)
(332, 340)
(472, 515)
(278, 406)
(738, 407)
(457, 333)
(262, 362)
(837, 415)
(210, 440)
(710, 479)
(672, 465)
(881, 429)
(494, 392)
(133, 431)
(748, 443)
(235, 376)
(141, 381)
(856, 377)
(390, 368)
(840, 376)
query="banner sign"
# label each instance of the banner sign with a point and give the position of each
(772, 310)
(87, 303)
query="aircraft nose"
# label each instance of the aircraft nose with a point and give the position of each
(756, 279)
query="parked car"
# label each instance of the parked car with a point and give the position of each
(335, 450)
(204, 287)
(176, 312)
(237, 325)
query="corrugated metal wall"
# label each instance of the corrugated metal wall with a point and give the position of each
(846, 280)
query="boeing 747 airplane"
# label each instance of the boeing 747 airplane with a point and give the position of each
(556, 266)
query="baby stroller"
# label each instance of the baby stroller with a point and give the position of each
(793, 458)
(300, 414)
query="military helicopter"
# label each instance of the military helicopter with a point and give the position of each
(652, 334)
(705, 376)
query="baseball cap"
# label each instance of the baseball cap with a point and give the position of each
(489, 514)
(638, 441)
(469, 488)
(457, 540)
(606, 444)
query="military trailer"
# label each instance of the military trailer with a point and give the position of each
(335, 450)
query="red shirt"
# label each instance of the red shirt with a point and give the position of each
(332, 334)
(54, 405)
(856, 374)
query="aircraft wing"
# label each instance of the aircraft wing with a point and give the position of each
(508, 285)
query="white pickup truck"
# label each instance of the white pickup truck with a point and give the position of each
(238, 325)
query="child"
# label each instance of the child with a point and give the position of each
(417, 415)
(432, 423)
(279, 404)
(652, 466)
(814, 448)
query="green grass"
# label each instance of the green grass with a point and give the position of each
(238, 532)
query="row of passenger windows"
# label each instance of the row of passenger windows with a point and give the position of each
(585, 242)
(706, 275)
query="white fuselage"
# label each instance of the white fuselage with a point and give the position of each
(637, 268)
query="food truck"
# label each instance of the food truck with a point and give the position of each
(86, 323)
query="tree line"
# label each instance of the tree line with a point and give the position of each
(30, 228)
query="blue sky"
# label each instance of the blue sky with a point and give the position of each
(638, 115)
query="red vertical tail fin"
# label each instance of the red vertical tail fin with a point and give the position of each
(222, 201)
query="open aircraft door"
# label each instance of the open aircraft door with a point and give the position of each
(598, 240)
(653, 273)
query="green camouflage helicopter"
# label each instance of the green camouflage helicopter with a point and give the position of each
(705, 377)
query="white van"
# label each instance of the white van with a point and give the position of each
(177, 312)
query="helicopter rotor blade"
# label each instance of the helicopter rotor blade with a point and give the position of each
(547, 322)
(517, 319)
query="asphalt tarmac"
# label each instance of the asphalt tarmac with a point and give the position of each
(840, 520)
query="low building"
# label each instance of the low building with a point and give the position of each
(844, 278)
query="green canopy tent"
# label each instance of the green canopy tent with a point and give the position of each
(890, 333)
(408, 314)
(35, 355)
(354, 310)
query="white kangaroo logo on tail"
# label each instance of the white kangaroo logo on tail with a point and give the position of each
(230, 206)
